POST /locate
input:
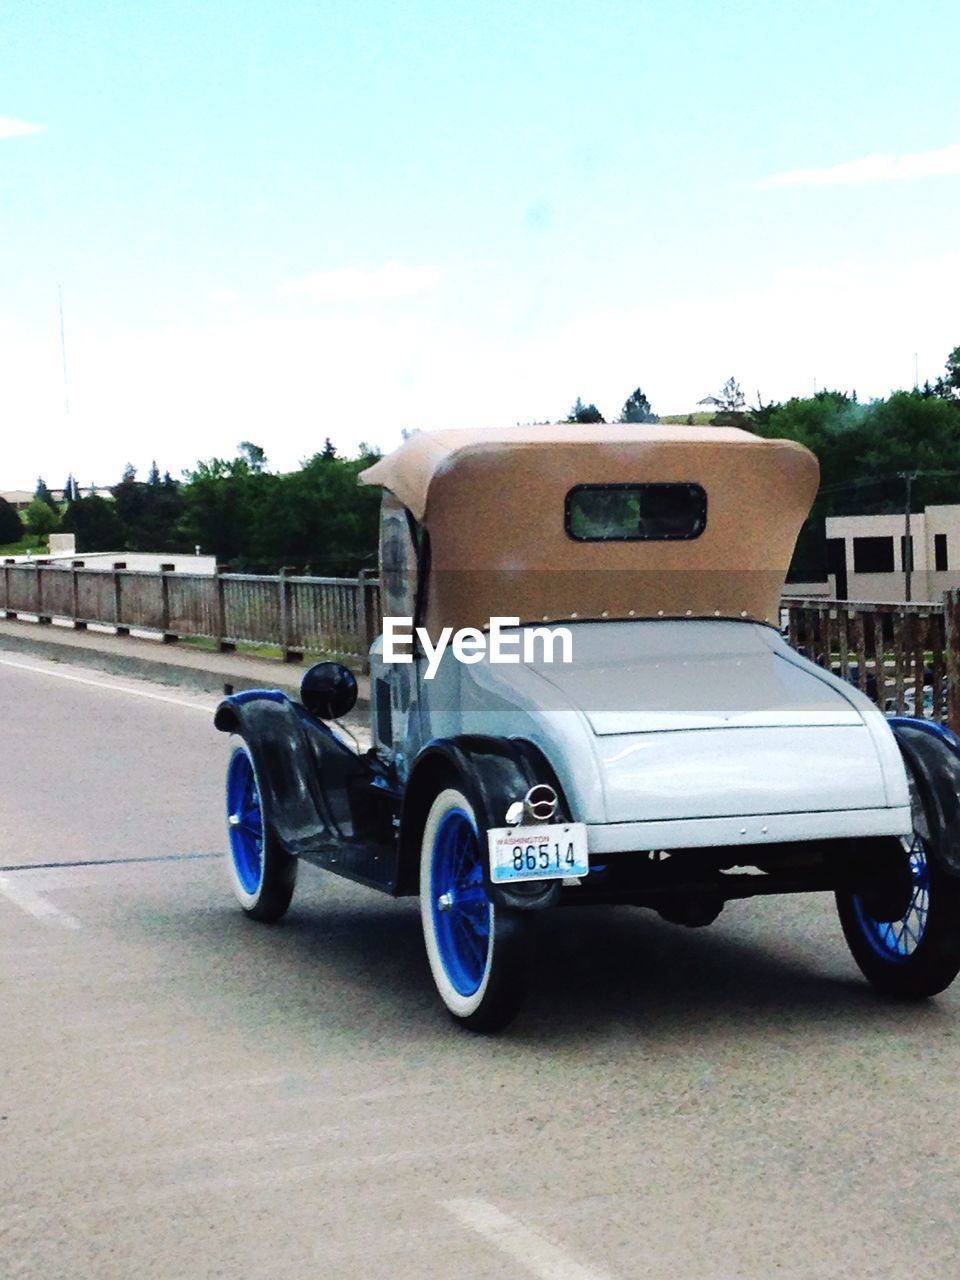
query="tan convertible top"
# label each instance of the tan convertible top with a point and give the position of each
(493, 503)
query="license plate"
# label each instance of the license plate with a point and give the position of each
(550, 852)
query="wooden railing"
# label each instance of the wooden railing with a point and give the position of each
(295, 614)
(906, 657)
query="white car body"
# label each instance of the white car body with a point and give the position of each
(674, 733)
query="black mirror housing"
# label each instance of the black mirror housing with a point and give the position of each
(328, 690)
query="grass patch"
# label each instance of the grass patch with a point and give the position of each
(29, 542)
(207, 645)
(685, 419)
(271, 652)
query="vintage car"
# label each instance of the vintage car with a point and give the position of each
(671, 751)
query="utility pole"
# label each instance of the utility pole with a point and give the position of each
(909, 477)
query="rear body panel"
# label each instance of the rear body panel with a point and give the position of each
(654, 677)
(686, 733)
(693, 773)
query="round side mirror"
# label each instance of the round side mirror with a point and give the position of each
(328, 690)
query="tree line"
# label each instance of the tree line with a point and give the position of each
(866, 451)
(317, 519)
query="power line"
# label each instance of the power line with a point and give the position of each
(867, 481)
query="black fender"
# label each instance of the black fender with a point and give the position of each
(932, 754)
(493, 772)
(288, 747)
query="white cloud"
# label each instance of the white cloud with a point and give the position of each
(878, 168)
(10, 128)
(223, 295)
(392, 280)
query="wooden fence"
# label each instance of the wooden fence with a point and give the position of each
(298, 615)
(906, 657)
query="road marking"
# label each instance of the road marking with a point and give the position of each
(538, 1256)
(112, 688)
(105, 862)
(36, 905)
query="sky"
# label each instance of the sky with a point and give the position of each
(284, 222)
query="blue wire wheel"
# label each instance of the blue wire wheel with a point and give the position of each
(462, 914)
(895, 941)
(916, 954)
(245, 826)
(263, 874)
(479, 954)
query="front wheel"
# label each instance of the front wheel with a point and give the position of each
(262, 873)
(478, 953)
(918, 954)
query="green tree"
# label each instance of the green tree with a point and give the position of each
(950, 382)
(253, 455)
(863, 449)
(581, 412)
(149, 512)
(95, 524)
(636, 408)
(762, 414)
(130, 498)
(731, 403)
(221, 505)
(316, 518)
(44, 495)
(40, 518)
(319, 518)
(11, 526)
(731, 397)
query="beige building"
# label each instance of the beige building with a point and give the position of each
(63, 555)
(867, 555)
(141, 561)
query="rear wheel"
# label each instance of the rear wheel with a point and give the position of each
(262, 873)
(917, 954)
(478, 953)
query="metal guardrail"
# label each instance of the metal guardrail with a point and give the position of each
(906, 657)
(296, 614)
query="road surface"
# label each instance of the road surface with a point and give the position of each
(187, 1094)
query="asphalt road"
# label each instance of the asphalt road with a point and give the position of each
(187, 1094)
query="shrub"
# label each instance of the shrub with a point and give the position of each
(40, 519)
(11, 528)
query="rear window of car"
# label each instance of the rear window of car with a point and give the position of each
(635, 512)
